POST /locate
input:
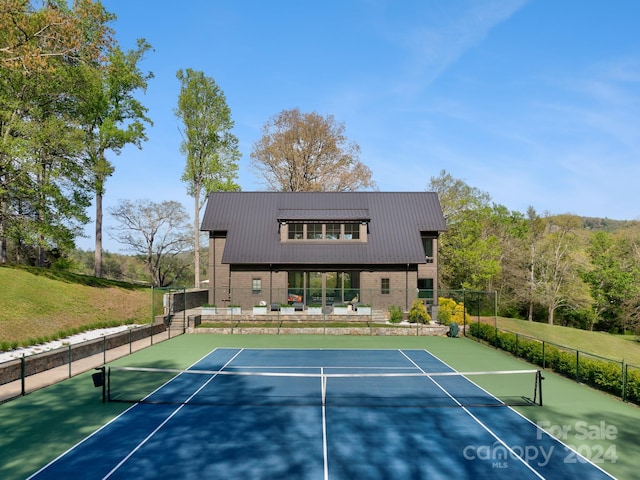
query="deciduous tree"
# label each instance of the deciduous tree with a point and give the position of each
(304, 152)
(560, 258)
(42, 181)
(112, 117)
(210, 147)
(158, 232)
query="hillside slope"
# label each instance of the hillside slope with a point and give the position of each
(614, 347)
(37, 304)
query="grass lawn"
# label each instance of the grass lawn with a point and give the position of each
(37, 304)
(615, 347)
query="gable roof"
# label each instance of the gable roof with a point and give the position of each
(251, 221)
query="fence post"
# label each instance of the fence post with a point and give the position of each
(70, 355)
(544, 358)
(578, 366)
(22, 374)
(624, 381)
(517, 347)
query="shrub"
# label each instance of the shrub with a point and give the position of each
(395, 314)
(418, 312)
(451, 311)
(598, 373)
(633, 385)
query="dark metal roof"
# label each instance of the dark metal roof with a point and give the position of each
(252, 222)
(299, 214)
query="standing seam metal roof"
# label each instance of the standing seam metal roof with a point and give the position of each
(395, 220)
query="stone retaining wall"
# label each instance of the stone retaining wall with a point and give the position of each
(420, 330)
(13, 370)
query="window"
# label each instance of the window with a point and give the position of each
(425, 288)
(384, 286)
(296, 231)
(427, 244)
(323, 231)
(352, 231)
(333, 231)
(314, 231)
(256, 286)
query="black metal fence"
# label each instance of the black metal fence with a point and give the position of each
(615, 377)
(32, 372)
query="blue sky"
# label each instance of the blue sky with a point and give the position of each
(535, 102)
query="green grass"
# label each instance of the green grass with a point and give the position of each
(42, 304)
(614, 347)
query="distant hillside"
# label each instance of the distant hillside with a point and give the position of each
(39, 304)
(607, 224)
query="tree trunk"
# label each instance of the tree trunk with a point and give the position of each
(196, 237)
(3, 243)
(98, 252)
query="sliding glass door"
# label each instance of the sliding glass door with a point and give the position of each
(324, 288)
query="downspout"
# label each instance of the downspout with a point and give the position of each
(406, 289)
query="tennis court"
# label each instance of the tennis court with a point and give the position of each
(320, 414)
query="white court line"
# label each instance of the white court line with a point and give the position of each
(325, 452)
(585, 459)
(494, 435)
(84, 440)
(159, 427)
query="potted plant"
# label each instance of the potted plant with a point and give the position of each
(286, 309)
(340, 309)
(364, 309)
(234, 309)
(208, 309)
(260, 309)
(314, 309)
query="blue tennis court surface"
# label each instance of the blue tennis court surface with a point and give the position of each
(318, 414)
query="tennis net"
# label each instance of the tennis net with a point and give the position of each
(323, 387)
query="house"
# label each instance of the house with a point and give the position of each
(324, 248)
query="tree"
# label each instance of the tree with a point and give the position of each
(158, 232)
(32, 39)
(307, 152)
(42, 179)
(612, 279)
(457, 198)
(557, 277)
(112, 118)
(535, 234)
(469, 252)
(211, 150)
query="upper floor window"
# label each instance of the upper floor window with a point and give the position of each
(296, 231)
(321, 231)
(427, 244)
(314, 231)
(351, 231)
(332, 231)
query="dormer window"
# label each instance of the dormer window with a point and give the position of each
(333, 231)
(312, 231)
(296, 231)
(351, 231)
